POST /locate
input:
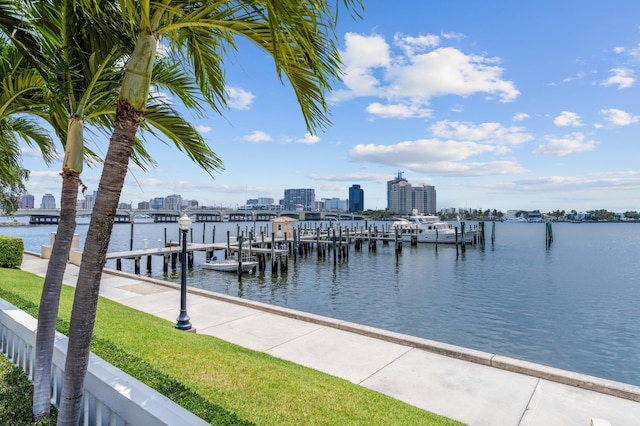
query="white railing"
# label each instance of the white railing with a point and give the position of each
(111, 397)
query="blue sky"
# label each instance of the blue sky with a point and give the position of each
(502, 104)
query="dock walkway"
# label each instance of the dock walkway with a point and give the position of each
(473, 387)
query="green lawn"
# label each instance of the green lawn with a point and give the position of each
(218, 381)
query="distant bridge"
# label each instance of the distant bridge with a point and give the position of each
(52, 216)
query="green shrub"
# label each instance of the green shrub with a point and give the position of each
(16, 397)
(11, 252)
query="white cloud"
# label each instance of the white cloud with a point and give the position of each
(352, 177)
(257, 136)
(622, 77)
(44, 174)
(618, 117)
(239, 98)
(398, 111)
(435, 157)
(411, 44)
(567, 119)
(308, 139)
(488, 132)
(361, 56)
(413, 74)
(33, 152)
(520, 116)
(203, 129)
(448, 71)
(569, 144)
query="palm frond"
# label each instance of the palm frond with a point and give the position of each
(165, 123)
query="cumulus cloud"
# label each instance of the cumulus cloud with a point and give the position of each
(567, 119)
(618, 117)
(203, 129)
(569, 144)
(622, 77)
(521, 116)
(308, 139)
(435, 157)
(416, 69)
(488, 132)
(398, 111)
(239, 98)
(257, 136)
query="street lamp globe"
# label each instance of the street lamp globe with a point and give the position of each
(184, 222)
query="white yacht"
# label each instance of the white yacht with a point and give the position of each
(430, 229)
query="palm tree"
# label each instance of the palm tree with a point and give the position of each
(299, 35)
(83, 84)
(20, 97)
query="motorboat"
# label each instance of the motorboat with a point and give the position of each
(518, 219)
(430, 229)
(143, 218)
(230, 265)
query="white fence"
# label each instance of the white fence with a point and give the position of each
(111, 397)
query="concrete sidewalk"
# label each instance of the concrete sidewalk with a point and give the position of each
(473, 387)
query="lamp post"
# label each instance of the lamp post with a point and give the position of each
(183, 319)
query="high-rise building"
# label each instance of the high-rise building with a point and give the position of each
(48, 202)
(356, 199)
(295, 199)
(404, 198)
(334, 204)
(173, 202)
(156, 203)
(88, 202)
(27, 201)
(143, 205)
(392, 182)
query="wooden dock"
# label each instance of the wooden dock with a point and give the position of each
(324, 242)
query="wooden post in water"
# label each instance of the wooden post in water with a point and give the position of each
(149, 264)
(493, 233)
(240, 238)
(295, 245)
(482, 234)
(333, 243)
(549, 234)
(457, 253)
(436, 240)
(462, 236)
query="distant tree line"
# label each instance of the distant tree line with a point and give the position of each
(600, 215)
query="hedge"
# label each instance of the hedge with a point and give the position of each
(11, 252)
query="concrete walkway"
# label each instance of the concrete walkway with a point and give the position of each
(473, 387)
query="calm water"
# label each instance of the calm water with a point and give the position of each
(573, 306)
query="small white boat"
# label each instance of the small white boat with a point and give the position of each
(230, 265)
(143, 218)
(518, 219)
(430, 229)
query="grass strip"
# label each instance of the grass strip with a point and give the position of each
(218, 381)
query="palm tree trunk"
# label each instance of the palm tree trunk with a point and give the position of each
(50, 298)
(85, 302)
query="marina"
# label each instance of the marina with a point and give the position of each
(571, 305)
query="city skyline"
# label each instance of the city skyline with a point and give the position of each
(475, 99)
